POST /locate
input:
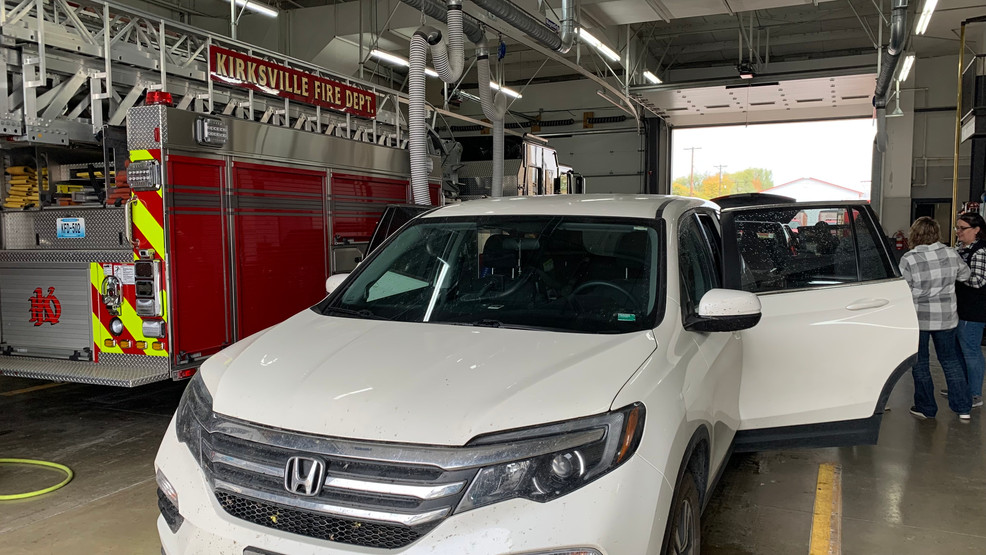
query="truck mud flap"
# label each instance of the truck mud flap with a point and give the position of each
(121, 370)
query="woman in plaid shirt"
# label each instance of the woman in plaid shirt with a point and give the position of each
(931, 269)
(970, 230)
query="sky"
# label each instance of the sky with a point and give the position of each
(838, 151)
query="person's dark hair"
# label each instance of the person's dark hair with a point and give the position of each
(975, 220)
(924, 231)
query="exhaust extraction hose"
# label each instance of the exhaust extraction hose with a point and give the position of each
(494, 108)
(449, 61)
(421, 163)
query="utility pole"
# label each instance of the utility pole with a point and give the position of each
(691, 173)
(720, 177)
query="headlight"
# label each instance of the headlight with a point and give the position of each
(609, 440)
(193, 413)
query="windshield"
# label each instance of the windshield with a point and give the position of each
(590, 275)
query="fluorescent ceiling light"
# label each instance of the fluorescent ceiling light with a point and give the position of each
(598, 45)
(905, 70)
(257, 7)
(505, 90)
(652, 78)
(398, 61)
(925, 19)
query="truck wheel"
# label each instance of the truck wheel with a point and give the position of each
(684, 533)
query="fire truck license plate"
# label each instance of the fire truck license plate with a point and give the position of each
(71, 228)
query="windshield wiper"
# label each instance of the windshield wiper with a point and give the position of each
(362, 313)
(490, 323)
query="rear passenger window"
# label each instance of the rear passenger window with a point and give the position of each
(800, 247)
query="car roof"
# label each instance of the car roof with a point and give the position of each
(752, 199)
(625, 206)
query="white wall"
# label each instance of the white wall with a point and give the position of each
(918, 163)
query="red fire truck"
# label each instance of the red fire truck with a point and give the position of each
(232, 226)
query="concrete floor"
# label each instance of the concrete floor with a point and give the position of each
(922, 489)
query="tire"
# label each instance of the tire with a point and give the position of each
(684, 532)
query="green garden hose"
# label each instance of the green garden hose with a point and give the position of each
(63, 468)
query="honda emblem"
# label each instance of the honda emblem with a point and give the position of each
(304, 476)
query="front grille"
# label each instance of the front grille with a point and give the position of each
(320, 526)
(365, 501)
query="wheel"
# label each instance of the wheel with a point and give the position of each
(684, 532)
(596, 283)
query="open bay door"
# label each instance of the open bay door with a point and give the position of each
(838, 327)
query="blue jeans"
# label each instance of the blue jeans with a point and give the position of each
(947, 349)
(970, 341)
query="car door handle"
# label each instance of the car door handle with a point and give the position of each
(863, 304)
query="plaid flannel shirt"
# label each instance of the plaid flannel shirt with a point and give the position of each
(931, 271)
(977, 265)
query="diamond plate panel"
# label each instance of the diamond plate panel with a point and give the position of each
(103, 373)
(36, 230)
(37, 256)
(141, 123)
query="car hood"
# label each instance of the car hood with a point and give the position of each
(418, 383)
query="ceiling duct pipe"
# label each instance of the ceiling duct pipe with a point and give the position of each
(898, 38)
(439, 10)
(494, 108)
(421, 163)
(516, 17)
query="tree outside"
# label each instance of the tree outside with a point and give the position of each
(711, 185)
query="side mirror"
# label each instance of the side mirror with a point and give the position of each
(334, 281)
(725, 310)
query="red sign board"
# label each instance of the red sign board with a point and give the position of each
(233, 68)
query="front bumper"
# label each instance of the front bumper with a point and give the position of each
(622, 513)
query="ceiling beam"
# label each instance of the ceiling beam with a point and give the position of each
(495, 23)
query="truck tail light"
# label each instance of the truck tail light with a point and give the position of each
(158, 98)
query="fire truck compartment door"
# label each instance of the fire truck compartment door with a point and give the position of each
(46, 312)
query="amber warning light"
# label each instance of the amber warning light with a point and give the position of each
(158, 98)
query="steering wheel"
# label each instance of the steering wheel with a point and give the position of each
(484, 293)
(597, 283)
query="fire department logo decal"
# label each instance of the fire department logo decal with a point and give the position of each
(45, 308)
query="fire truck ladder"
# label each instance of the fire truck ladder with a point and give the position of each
(75, 66)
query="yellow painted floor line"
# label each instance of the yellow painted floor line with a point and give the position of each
(826, 523)
(30, 389)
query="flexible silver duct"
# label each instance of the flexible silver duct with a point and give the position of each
(532, 27)
(439, 10)
(421, 163)
(881, 129)
(448, 61)
(898, 38)
(494, 108)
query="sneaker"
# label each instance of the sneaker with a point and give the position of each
(920, 415)
(977, 401)
(965, 417)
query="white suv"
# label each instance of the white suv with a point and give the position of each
(551, 375)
